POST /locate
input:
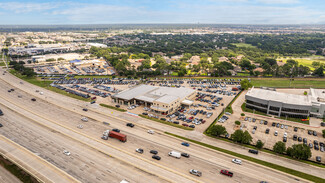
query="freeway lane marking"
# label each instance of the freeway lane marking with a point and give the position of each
(44, 162)
(99, 141)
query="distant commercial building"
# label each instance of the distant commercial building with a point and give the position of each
(98, 45)
(287, 105)
(162, 100)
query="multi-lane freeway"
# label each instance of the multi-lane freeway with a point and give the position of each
(48, 126)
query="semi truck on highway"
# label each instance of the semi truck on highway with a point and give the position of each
(113, 134)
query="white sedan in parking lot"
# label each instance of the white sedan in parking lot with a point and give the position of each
(237, 161)
(285, 134)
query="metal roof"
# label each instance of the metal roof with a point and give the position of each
(150, 93)
(279, 97)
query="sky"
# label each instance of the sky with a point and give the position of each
(38, 12)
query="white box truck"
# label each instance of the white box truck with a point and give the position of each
(175, 154)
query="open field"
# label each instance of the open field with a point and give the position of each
(243, 45)
(305, 61)
(285, 82)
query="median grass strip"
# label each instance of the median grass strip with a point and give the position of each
(112, 107)
(166, 122)
(16, 171)
(46, 84)
(261, 162)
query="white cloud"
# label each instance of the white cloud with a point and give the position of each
(278, 1)
(18, 7)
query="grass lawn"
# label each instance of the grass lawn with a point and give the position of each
(285, 82)
(166, 122)
(243, 74)
(261, 162)
(298, 120)
(307, 61)
(243, 45)
(112, 107)
(46, 84)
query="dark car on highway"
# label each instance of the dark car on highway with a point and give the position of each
(84, 109)
(153, 152)
(130, 125)
(253, 151)
(156, 157)
(33, 99)
(185, 155)
(116, 130)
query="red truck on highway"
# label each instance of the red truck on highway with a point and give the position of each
(117, 135)
(226, 172)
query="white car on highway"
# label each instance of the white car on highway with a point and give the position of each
(237, 161)
(151, 131)
(84, 119)
(66, 153)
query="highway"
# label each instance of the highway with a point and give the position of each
(76, 106)
(50, 144)
(7, 177)
(207, 161)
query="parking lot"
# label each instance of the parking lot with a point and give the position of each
(212, 97)
(278, 130)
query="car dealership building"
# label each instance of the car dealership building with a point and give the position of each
(271, 102)
(162, 100)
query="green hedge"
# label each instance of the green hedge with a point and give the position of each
(167, 123)
(112, 107)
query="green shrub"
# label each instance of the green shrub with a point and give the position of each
(237, 122)
(242, 114)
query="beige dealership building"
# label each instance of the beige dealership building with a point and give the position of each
(162, 100)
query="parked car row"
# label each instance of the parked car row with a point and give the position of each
(70, 91)
(96, 81)
(107, 88)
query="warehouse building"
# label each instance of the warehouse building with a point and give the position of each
(287, 105)
(162, 100)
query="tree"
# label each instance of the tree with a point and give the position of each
(241, 137)
(300, 151)
(237, 122)
(246, 64)
(217, 130)
(237, 136)
(259, 144)
(323, 133)
(245, 84)
(315, 64)
(279, 147)
(270, 61)
(247, 138)
(319, 71)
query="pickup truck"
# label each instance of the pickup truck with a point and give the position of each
(226, 172)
